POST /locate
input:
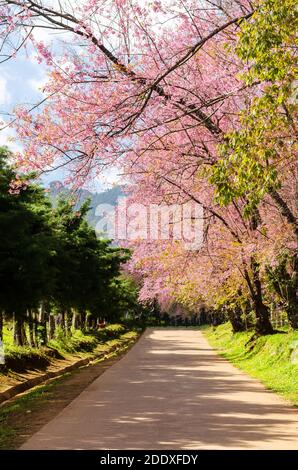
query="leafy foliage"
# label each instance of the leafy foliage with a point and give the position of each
(52, 257)
(253, 155)
(193, 105)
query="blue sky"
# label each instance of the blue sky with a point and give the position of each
(21, 82)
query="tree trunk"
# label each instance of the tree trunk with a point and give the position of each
(36, 332)
(18, 333)
(81, 321)
(77, 321)
(52, 327)
(1, 325)
(23, 332)
(62, 323)
(67, 319)
(246, 309)
(263, 324)
(87, 322)
(31, 329)
(236, 320)
(43, 324)
(74, 321)
(292, 312)
(285, 210)
(58, 322)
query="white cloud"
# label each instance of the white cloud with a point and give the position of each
(8, 138)
(50, 36)
(107, 179)
(42, 35)
(4, 93)
(38, 84)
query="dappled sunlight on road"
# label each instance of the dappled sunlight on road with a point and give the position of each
(172, 391)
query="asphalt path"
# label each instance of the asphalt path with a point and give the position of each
(172, 391)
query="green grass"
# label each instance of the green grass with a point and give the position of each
(24, 404)
(22, 358)
(272, 359)
(77, 342)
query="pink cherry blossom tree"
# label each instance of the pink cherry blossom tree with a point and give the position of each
(152, 88)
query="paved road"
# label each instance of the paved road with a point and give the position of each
(172, 391)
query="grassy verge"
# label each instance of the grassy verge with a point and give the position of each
(272, 359)
(23, 358)
(24, 404)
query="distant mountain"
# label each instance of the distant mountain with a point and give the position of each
(110, 196)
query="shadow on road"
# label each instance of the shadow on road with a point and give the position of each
(172, 392)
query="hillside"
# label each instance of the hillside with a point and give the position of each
(110, 196)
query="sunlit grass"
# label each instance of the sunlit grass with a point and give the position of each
(271, 359)
(80, 343)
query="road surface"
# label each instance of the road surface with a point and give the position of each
(172, 391)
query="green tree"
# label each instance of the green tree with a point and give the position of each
(124, 298)
(257, 158)
(87, 267)
(51, 262)
(26, 249)
(282, 280)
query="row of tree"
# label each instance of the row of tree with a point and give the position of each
(195, 104)
(239, 162)
(54, 271)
